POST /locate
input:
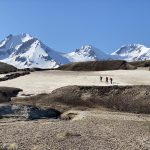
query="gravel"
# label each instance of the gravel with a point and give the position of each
(92, 131)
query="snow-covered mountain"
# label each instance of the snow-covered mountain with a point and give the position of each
(25, 51)
(87, 53)
(133, 52)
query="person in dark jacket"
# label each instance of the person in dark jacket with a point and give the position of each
(106, 79)
(101, 78)
(111, 80)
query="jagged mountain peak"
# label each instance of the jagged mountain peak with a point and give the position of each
(87, 46)
(26, 51)
(129, 48)
(133, 52)
(22, 37)
(87, 53)
(89, 49)
(12, 41)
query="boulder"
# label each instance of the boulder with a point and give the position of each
(27, 111)
(6, 93)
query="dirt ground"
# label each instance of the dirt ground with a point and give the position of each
(47, 81)
(96, 130)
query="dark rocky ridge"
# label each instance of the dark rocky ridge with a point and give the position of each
(141, 63)
(5, 68)
(6, 93)
(98, 66)
(134, 99)
(14, 75)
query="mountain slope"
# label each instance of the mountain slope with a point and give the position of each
(133, 52)
(25, 51)
(87, 53)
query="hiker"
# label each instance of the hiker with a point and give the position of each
(111, 80)
(101, 78)
(106, 79)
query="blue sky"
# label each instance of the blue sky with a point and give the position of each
(65, 25)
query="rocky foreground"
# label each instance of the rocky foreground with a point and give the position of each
(89, 130)
(78, 118)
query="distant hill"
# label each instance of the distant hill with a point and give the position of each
(141, 63)
(5, 68)
(98, 66)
